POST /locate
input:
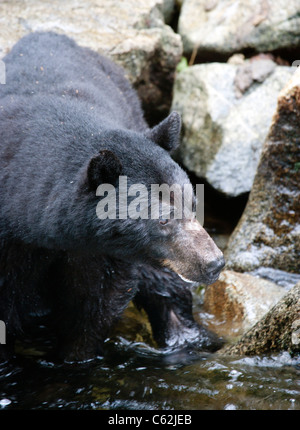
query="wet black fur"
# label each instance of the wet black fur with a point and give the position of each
(66, 114)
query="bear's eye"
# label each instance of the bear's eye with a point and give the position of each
(163, 221)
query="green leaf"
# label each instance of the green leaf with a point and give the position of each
(297, 166)
(182, 65)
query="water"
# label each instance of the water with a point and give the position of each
(133, 375)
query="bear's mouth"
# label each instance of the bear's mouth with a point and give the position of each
(207, 278)
(185, 279)
(171, 265)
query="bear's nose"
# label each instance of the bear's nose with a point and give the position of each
(215, 266)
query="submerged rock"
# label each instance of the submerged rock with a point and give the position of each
(278, 330)
(226, 112)
(222, 27)
(237, 301)
(268, 233)
(279, 277)
(132, 33)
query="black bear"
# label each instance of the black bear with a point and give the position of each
(69, 122)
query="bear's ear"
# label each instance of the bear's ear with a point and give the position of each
(105, 167)
(167, 133)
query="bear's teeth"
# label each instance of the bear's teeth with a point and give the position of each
(185, 279)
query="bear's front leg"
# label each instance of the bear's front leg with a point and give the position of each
(167, 301)
(91, 295)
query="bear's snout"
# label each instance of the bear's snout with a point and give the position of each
(214, 268)
(195, 257)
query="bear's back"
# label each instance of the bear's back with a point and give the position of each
(52, 64)
(60, 106)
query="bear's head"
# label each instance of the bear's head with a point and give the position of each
(145, 203)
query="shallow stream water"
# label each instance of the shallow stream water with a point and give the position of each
(133, 375)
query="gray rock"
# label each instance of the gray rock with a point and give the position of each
(226, 111)
(227, 26)
(132, 33)
(280, 277)
(168, 9)
(268, 233)
(278, 330)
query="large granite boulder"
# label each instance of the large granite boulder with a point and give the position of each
(237, 301)
(278, 330)
(227, 110)
(268, 233)
(222, 27)
(133, 33)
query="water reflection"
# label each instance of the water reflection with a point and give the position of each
(135, 376)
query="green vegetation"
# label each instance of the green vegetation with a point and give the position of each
(182, 65)
(297, 166)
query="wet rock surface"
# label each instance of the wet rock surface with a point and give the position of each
(227, 110)
(279, 277)
(238, 300)
(278, 330)
(132, 33)
(268, 232)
